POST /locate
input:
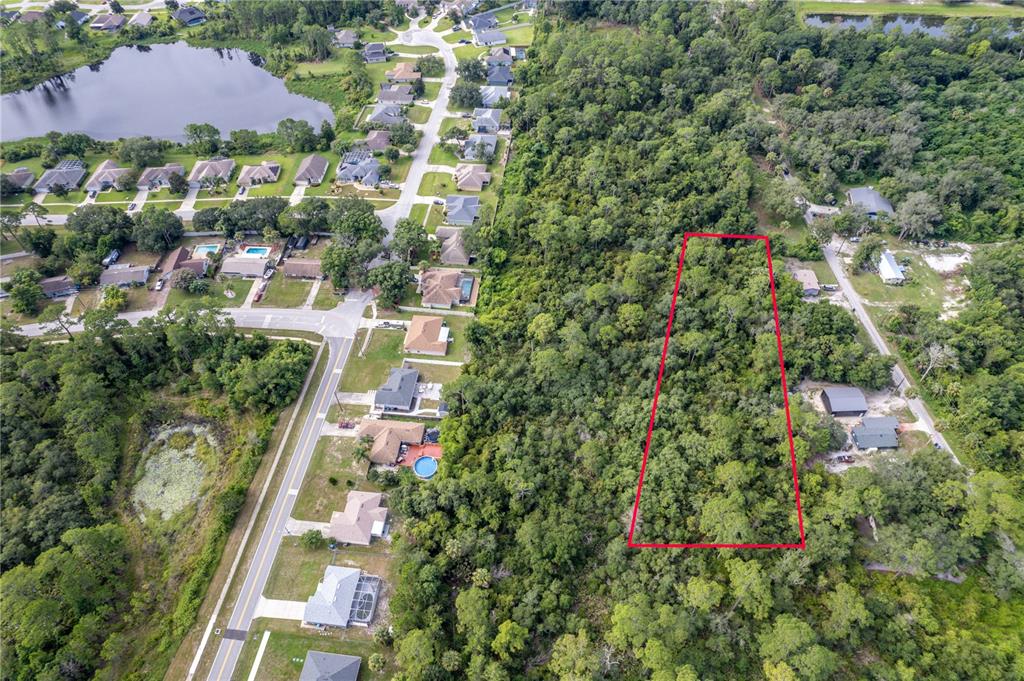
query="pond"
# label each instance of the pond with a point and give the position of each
(907, 23)
(156, 90)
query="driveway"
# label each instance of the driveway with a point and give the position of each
(916, 405)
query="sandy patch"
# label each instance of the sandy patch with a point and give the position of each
(946, 263)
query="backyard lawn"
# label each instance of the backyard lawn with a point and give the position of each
(437, 184)
(285, 292)
(434, 373)
(288, 644)
(369, 371)
(333, 458)
(216, 296)
(458, 349)
(520, 36)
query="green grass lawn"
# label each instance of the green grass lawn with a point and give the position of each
(202, 203)
(821, 270)
(112, 196)
(12, 246)
(419, 212)
(297, 570)
(443, 25)
(47, 312)
(216, 297)
(71, 197)
(369, 371)
(368, 34)
(336, 412)
(435, 373)
(377, 71)
(926, 7)
(285, 292)
(434, 218)
(453, 122)
(400, 168)
(458, 349)
(437, 184)
(431, 90)
(519, 36)
(288, 644)
(470, 51)
(418, 114)
(923, 287)
(441, 157)
(333, 457)
(455, 37)
(424, 22)
(414, 49)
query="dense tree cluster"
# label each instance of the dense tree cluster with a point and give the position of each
(67, 410)
(514, 562)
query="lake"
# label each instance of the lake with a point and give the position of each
(907, 23)
(156, 90)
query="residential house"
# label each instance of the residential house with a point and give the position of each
(488, 38)
(444, 289)
(398, 393)
(814, 212)
(404, 72)
(312, 170)
(486, 120)
(141, 19)
(58, 287)
(391, 93)
(877, 432)
(453, 249)
(346, 38)
(108, 22)
(480, 22)
(844, 401)
(363, 519)
(377, 140)
(105, 176)
(375, 53)
(160, 176)
(343, 597)
(244, 266)
(265, 173)
(472, 177)
(303, 268)
(329, 667)
(461, 210)
(387, 438)
(870, 201)
(124, 276)
(386, 114)
(499, 75)
(359, 167)
(809, 281)
(889, 270)
(67, 174)
(179, 259)
(21, 177)
(208, 172)
(479, 147)
(426, 336)
(76, 16)
(31, 16)
(189, 15)
(493, 95)
(500, 56)
(9, 16)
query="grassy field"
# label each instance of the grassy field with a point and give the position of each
(469, 51)
(47, 312)
(285, 292)
(334, 458)
(336, 412)
(418, 114)
(434, 218)
(926, 7)
(325, 298)
(216, 295)
(923, 287)
(288, 643)
(458, 349)
(443, 25)
(436, 184)
(435, 373)
(414, 49)
(369, 371)
(453, 38)
(400, 168)
(419, 212)
(430, 90)
(139, 298)
(520, 36)
(438, 156)
(453, 122)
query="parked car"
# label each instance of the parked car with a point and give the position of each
(241, 190)
(830, 287)
(463, 42)
(256, 298)
(854, 239)
(269, 273)
(111, 258)
(132, 206)
(92, 194)
(159, 285)
(438, 202)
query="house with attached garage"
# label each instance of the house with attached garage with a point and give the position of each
(303, 268)
(312, 170)
(398, 393)
(844, 401)
(486, 120)
(889, 270)
(124, 276)
(189, 16)
(344, 597)
(404, 72)
(346, 38)
(444, 289)
(105, 176)
(472, 177)
(808, 281)
(157, 177)
(480, 22)
(488, 38)
(500, 56)
(21, 178)
(359, 167)
(108, 22)
(461, 210)
(499, 75)
(493, 95)
(453, 248)
(329, 667)
(386, 114)
(479, 147)
(375, 53)
(58, 287)
(242, 266)
(391, 93)
(376, 140)
(869, 201)
(265, 173)
(363, 519)
(67, 174)
(387, 438)
(426, 336)
(877, 432)
(141, 19)
(207, 173)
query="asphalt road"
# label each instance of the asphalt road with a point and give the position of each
(917, 406)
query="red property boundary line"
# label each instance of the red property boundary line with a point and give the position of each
(657, 391)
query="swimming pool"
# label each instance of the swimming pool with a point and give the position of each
(204, 250)
(256, 251)
(425, 467)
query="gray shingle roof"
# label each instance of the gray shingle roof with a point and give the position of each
(312, 169)
(845, 399)
(475, 144)
(331, 603)
(869, 200)
(399, 391)
(877, 432)
(329, 667)
(461, 210)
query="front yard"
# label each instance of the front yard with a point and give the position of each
(240, 288)
(368, 372)
(285, 292)
(333, 471)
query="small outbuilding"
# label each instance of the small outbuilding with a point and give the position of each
(889, 270)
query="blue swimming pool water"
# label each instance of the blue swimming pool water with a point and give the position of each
(257, 250)
(204, 249)
(425, 467)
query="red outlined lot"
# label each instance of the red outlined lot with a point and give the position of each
(657, 390)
